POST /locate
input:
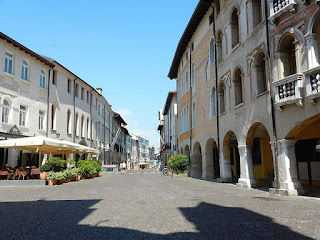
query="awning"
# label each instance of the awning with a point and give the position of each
(46, 145)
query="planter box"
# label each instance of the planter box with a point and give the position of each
(52, 182)
(180, 175)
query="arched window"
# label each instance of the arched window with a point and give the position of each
(235, 27)
(261, 73)
(192, 74)
(287, 54)
(219, 46)
(82, 126)
(213, 102)
(53, 117)
(42, 79)
(222, 91)
(5, 111)
(88, 128)
(76, 129)
(25, 71)
(238, 87)
(69, 121)
(211, 51)
(256, 13)
(207, 72)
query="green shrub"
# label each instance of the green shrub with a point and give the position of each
(45, 168)
(75, 171)
(88, 167)
(57, 162)
(179, 163)
(51, 175)
(70, 161)
(59, 175)
(68, 173)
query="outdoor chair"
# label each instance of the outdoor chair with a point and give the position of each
(7, 172)
(35, 172)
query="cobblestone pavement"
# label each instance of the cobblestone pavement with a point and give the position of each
(147, 205)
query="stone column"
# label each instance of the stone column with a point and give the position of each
(312, 46)
(207, 167)
(287, 165)
(225, 171)
(246, 179)
(195, 166)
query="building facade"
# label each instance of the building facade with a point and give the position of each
(40, 97)
(246, 74)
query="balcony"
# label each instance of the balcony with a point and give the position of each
(289, 90)
(313, 84)
(279, 7)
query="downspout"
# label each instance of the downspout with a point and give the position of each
(104, 133)
(274, 130)
(190, 95)
(91, 118)
(48, 104)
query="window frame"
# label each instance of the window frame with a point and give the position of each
(43, 79)
(25, 71)
(23, 115)
(9, 59)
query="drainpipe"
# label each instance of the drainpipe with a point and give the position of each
(91, 117)
(274, 130)
(104, 133)
(48, 103)
(190, 95)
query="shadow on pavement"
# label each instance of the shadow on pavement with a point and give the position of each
(60, 220)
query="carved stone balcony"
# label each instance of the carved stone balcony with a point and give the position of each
(289, 90)
(313, 84)
(279, 7)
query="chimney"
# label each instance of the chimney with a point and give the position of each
(99, 90)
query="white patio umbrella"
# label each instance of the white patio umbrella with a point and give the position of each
(45, 145)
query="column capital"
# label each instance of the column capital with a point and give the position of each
(287, 143)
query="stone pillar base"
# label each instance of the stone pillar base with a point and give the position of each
(224, 180)
(283, 192)
(246, 183)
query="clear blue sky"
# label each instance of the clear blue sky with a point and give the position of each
(124, 47)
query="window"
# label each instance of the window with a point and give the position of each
(211, 51)
(192, 74)
(193, 114)
(82, 93)
(192, 47)
(96, 103)
(22, 115)
(213, 102)
(53, 117)
(187, 81)
(219, 46)
(77, 90)
(88, 128)
(238, 87)
(76, 130)
(54, 78)
(25, 71)
(99, 109)
(235, 27)
(69, 121)
(256, 13)
(222, 89)
(218, 6)
(69, 85)
(5, 111)
(287, 53)
(207, 71)
(41, 120)
(42, 79)
(87, 96)
(82, 126)
(8, 63)
(261, 73)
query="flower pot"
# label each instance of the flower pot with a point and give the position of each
(73, 179)
(78, 178)
(52, 182)
(43, 175)
(61, 181)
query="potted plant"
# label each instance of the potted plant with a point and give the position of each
(51, 178)
(60, 177)
(179, 165)
(70, 162)
(57, 163)
(43, 171)
(67, 174)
